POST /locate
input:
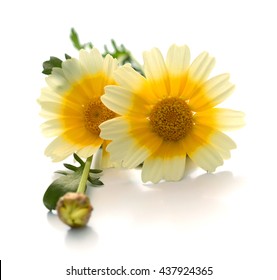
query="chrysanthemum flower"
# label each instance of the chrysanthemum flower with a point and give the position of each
(72, 106)
(169, 114)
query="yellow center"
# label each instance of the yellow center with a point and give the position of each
(171, 119)
(95, 112)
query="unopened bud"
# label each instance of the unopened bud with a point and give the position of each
(74, 209)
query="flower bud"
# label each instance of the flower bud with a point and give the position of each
(74, 209)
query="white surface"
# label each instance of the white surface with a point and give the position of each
(226, 220)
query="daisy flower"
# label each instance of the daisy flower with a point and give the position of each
(72, 106)
(169, 114)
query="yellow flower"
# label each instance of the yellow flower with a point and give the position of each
(169, 114)
(72, 106)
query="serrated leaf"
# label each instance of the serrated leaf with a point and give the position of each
(67, 56)
(95, 182)
(78, 159)
(48, 65)
(68, 182)
(70, 166)
(76, 42)
(96, 171)
(60, 187)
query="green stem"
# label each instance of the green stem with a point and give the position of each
(84, 178)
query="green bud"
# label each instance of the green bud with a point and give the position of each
(74, 209)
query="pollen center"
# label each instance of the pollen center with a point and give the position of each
(95, 112)
(171, 119)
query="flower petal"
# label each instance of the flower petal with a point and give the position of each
(157, 168)
(221, 119)
(122, 101)
(59, 149)
(72, 70)
(177, 62)
(211, 93)
(57, 81)
(156, 72)
(198, 72)
(92, 62)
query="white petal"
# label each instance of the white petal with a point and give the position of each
(128, 78)
(52, 128)
(92, 62)
(117, 99)
(72, 70)
(178, 59)
(198, 73)
(221, 119)
(113, 128)
(57, 81)
(59, 149)
(206, 157)
(87, 151)
(174, 168)
(152, 170)
(211, 93)
(47, 94)
(177, 62)
(110, 64)
(156, 72)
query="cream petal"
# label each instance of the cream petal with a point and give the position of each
(198, 72)
(52, 128)
(92, 62)
(135, 156)
(177, 62)
(110, 64)
(73, 70)
(152, 170)
(174, 168)
(47, 94)
(218, 140)
(52, 107)
(88, 151)
(122, 101)
(211, 93)
(156, 72)
(221, 119)
(178, 59)
(57, 81)
(113, 128)
(117, 99)
(118, 148)
(59, 149)
(206, 157)
(128, 78)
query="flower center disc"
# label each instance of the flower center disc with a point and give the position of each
(171, 119)
(95, 112)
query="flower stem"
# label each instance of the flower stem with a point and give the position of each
(84, 178)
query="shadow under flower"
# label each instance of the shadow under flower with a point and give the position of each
(191, 202)
(84, 238)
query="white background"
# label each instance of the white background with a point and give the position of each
(226, 220)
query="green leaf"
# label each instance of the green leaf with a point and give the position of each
(67, 56)
(96, 171)
(76, 42)
(95, 181)
(68, 182)
(50, 64)
(61, 186)
(70, 167)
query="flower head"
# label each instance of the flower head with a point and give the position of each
(74, 209)
(169, 114)
(72, 106)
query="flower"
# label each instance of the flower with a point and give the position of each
(74, 209)
(169, 114)
(72, 106)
